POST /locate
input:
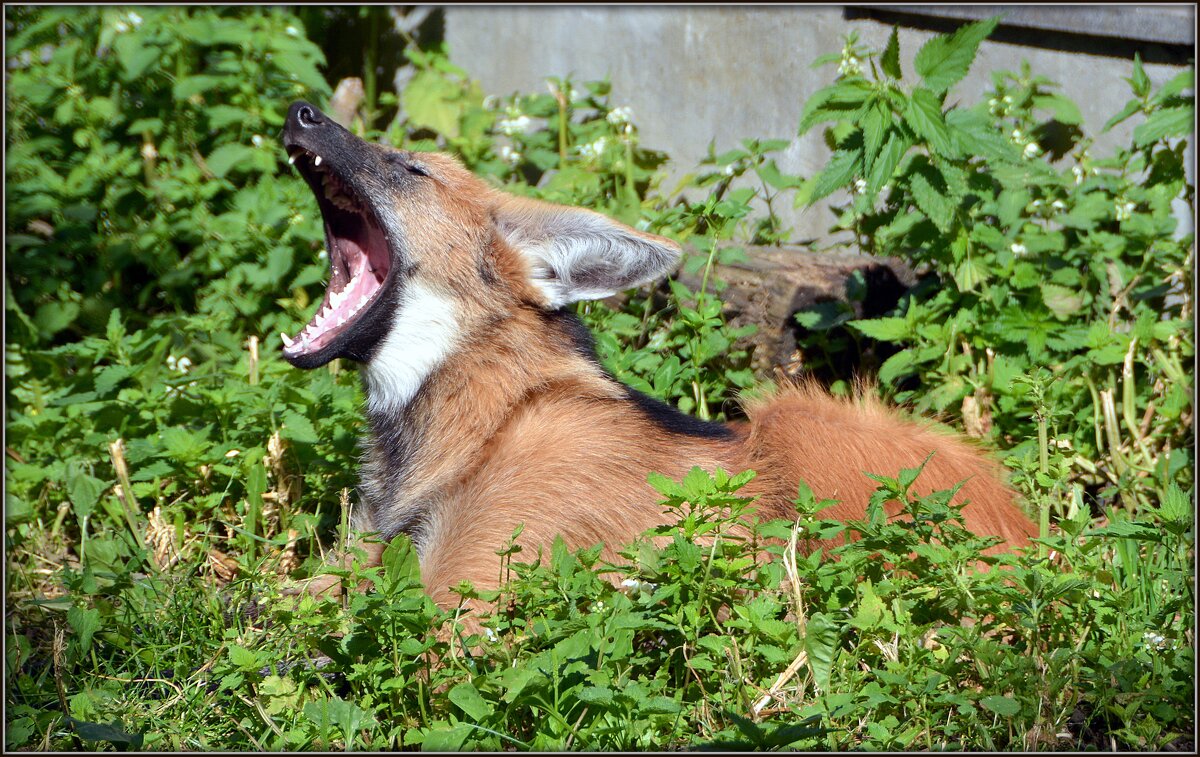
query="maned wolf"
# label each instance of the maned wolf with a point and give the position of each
(486, 403)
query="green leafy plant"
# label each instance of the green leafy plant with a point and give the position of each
(1072, 266)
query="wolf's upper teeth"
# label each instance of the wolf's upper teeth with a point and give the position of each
(292, 160)
(287, 340)
(317, 161)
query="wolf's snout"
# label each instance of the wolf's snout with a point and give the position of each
(304, 116)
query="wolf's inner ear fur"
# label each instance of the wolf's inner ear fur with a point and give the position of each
(576, 254)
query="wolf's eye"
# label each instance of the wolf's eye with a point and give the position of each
(397, 159)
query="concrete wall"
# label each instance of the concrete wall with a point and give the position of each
(696, 74)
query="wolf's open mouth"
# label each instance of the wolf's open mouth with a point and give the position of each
(359, 258)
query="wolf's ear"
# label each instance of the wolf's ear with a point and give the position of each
(576, 254)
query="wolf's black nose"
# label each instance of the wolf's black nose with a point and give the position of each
(304, 116)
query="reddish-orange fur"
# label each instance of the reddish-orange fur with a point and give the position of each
(516, 426)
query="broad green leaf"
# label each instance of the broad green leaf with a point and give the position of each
(135, 55)
(467, 697)
(874, 124)
(971, 273)
(400, 560)
(1179, 83)
(1140, 82)
(431, 100)
(348, 717)
(659, 705)
(841, 169)
(924, 115)
(821, 643)
(245, 660)
(1168, 122)
(900, 364)
(113, 734)
(84, 491)
(221, 116)
(110, 376)
(298, 428)
(930, 199)
(890, 60)
(883, 329)
(1003, 706)
(53, 317)
(1131, 107)
(601, 695)
(885, 165)
(1061, 301)
(223, 159)
(1064, 109)
(832, 103)
(944, 60)
(85, 622)
(194, 85)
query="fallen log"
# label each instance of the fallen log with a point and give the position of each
(772, 284)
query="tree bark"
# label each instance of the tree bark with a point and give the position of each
(773, 284)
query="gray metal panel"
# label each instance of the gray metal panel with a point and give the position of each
(1169, 24)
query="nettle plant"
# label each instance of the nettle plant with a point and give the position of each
(151, 226)
(1045, 255)
(142, 164)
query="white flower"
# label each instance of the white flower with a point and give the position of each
(121, 27)
(1124, 208)
(171, 362)
(1079, 174)
(296, 218)
(257, 140)
(512, 126)
(728, 170)
(323, 254)
(574, 95)
(860, 186)
(1018, 249)
(490, 634)
(134, 18)
(489, 102)
(1036, 204)
(1007, 100)
(184, 364)
(630, 585)
(1032, 150)
(1155, 640)
(292, 31)
(232, 453)
(1017, 136)
(618, 116)
(148, 151)
(1058, 205)
(509, 155)
(593, 150)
